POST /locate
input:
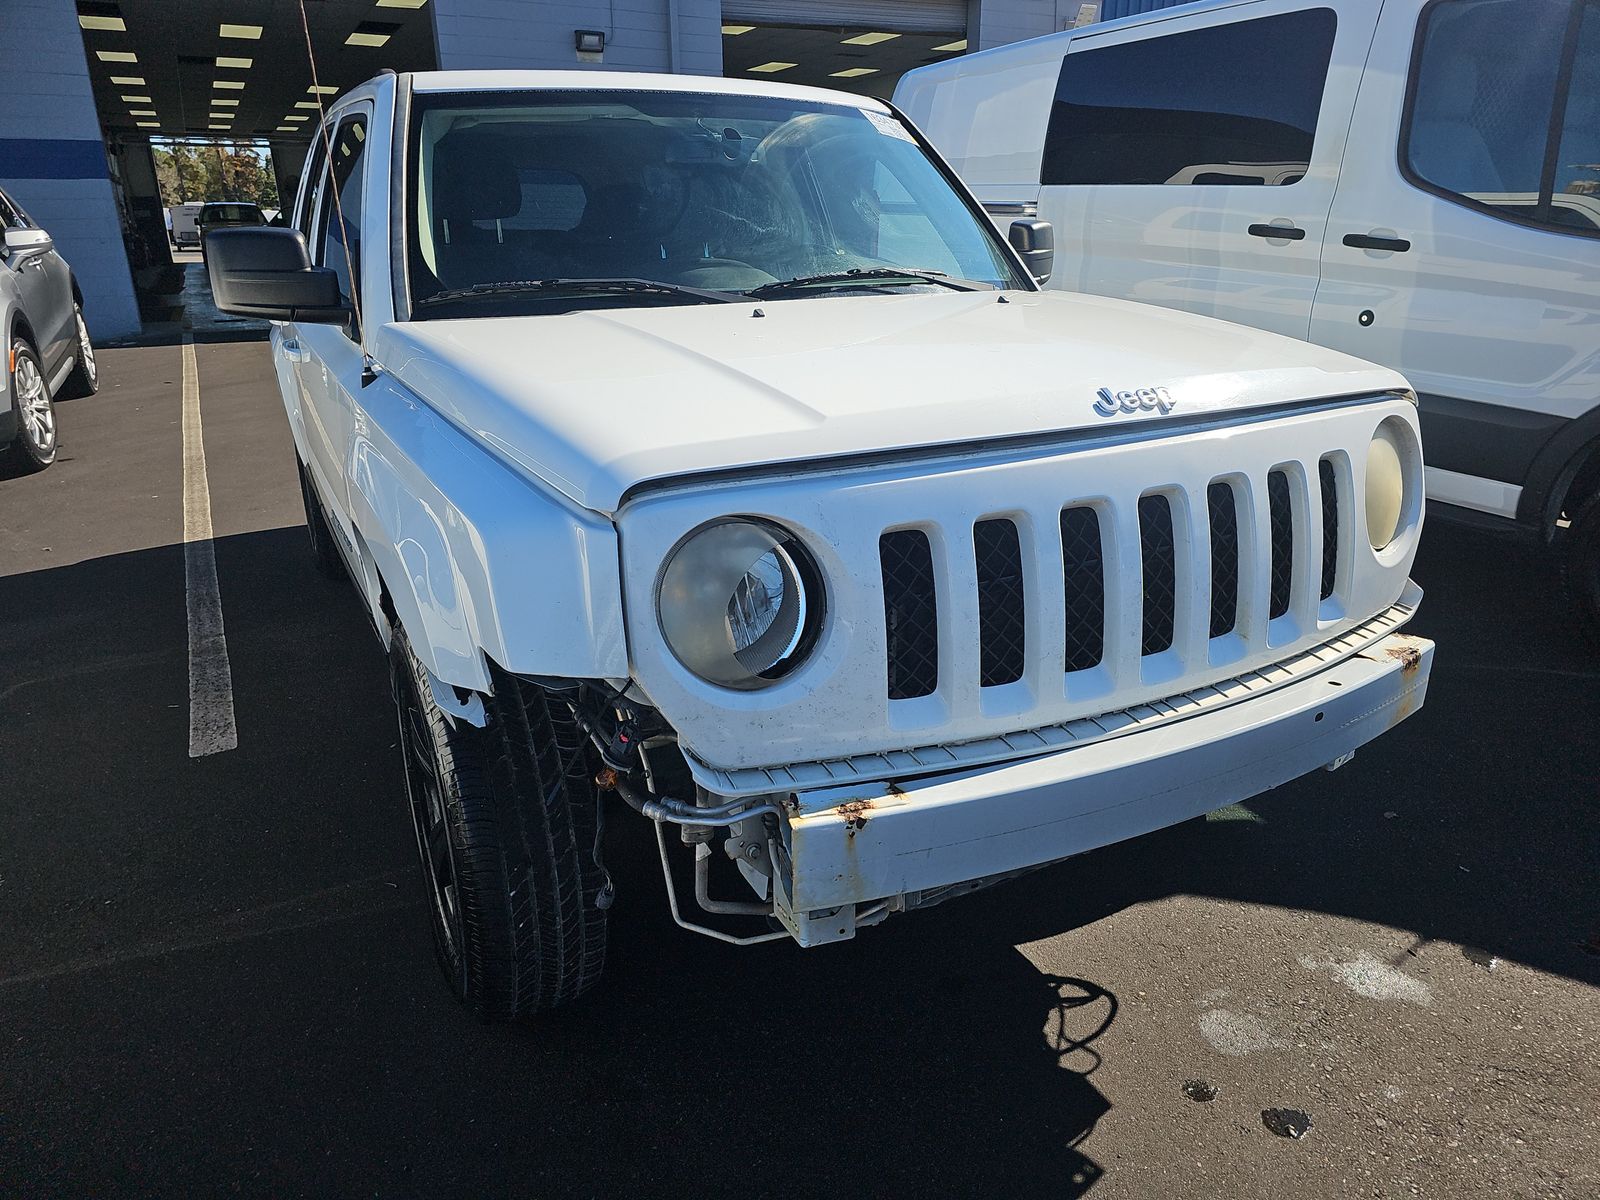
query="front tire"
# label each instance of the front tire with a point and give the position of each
(85, 377)
(506, 825)
(1580, 565)
(35, 446)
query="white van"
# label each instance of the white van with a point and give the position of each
(184, 224)
(1416, 182)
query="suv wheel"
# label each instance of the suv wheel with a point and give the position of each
(35, 445)
(1580, 565)
(85, 377)
(507, 830)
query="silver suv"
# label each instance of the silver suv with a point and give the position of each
(48, 353)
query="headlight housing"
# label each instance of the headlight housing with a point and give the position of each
(740, 602)
(1386, 485)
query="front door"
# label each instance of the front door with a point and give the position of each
(1190, 162)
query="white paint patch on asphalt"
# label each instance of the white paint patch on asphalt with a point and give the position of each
(1239, 1034)
(211, 724)
(1367, 976)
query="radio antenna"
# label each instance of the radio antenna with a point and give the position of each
(368, 367)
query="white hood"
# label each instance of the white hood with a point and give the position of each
(596, 402)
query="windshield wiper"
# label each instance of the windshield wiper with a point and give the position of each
(865, 275)
(575, 287)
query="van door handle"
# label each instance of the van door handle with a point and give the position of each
(1289, 233)
(294, 351)
(1369, 241)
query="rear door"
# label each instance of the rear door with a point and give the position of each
(1464, 243)
(1191, 161)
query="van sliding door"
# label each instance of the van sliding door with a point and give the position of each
(1190, 161)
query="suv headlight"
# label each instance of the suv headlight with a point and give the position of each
(740, 602)
(1386, 486)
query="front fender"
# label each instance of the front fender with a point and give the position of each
(477, 560)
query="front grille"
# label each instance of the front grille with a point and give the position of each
(1095, 603)
(1224, 512)
(1002, 622)
(1084, 577)
(1158, 556)
(910, 613)
(1330, 526)
(1282, 519)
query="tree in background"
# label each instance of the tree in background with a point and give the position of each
(196, 172)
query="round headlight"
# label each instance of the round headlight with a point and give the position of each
(1386, 486)
(740, 603)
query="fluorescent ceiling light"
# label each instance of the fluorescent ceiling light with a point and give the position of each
(232, 85)
(322, 90)
(112, 24)
(957, 45)
(736, 30)
(773, 67)
(869, 39)
(148, 124)
(137, 100)
(224, 128)
(116, 56)
(222, 116)
(128, 80)
(297, 117)
(242, 63)
(141, 112)
(239, 31)
(286, 129)
(401, 3)
(853, 73)
(311, 104)
(223, 102)
(366, 39)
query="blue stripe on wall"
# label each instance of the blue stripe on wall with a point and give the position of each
(52, 158)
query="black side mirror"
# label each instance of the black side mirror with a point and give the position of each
(259, 271)
(1036, 242)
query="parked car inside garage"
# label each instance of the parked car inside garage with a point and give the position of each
(47, 346)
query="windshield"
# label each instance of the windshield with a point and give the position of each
(724, 193)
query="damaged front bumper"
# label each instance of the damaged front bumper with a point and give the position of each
(855, 852)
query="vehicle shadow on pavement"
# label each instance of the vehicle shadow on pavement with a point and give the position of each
(219, 969)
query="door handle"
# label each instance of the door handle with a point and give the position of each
(1289, 233)
(1371, 241)
(294, 351)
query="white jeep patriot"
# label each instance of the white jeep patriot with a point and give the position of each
(700, 447)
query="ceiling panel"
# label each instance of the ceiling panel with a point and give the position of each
(818, 52)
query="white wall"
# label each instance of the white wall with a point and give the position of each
(52, 156)
(684, 36)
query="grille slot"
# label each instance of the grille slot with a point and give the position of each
(1158, 555)
(1002, 640)
(1330, 526)
(1281, 516)
(910, 613)
(1224, 512)
(1084, 580)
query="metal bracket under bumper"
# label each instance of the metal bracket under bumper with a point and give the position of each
(870, 841)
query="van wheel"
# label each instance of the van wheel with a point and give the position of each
(506, 829)
(35, 446)
(85, 377)
(323, 552)
(1580, 565)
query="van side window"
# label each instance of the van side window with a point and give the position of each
(1487, 109)
(1230, 104)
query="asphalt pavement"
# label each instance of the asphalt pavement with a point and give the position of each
(216, 976)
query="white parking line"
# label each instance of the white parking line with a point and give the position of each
(211, 727)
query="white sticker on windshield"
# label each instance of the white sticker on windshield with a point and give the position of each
(889, 127)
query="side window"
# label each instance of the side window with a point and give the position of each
(315, 176)
(11, 217)
(1504, 109)
(339, 246)
(1232, 104)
